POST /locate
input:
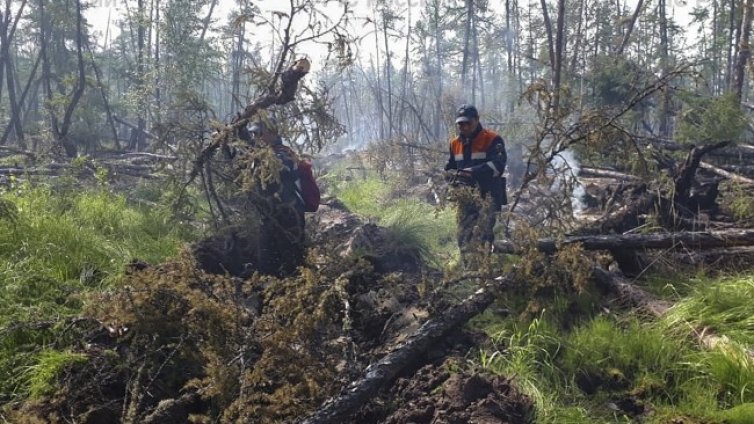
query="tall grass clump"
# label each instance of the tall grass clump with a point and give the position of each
(55, 247)
(413, 225)
(605, 354)
(722, 305)
(527, 353)
(40, 378)
(366, 197)
(730, 366)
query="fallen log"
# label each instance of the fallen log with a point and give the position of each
(723, 173)
(686, 240)
(745, 170)
(728, 255)
(587, 172)
(57, 170)
(13, 151)
(359, 392)
(636, 297)
(629, 293)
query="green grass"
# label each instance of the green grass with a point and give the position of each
(62, 244)
(413, 224)
(55, 247)
(573, 376)
(722, 305)
(622, 354)
(41, 377)
(366, 197)
(741, 414)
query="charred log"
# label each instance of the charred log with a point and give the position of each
(681, 240)
(684, 177)
(629, 294)
(384, 371)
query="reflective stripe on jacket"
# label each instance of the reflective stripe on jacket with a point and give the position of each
(484, 154)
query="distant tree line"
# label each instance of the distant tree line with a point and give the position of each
(165, 70)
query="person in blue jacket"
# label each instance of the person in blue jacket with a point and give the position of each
(477, 159)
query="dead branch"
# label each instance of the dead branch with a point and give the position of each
(134, 127)
(380, 373)
(419, 147)
(289, 80)
(723, 173)
(606, 173)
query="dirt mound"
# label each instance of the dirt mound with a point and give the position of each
(240, 250)
(348, 235)
(436, 394)
(207, 336)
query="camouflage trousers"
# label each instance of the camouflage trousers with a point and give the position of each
(476, 221)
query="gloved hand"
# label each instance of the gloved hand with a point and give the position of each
(459, 177)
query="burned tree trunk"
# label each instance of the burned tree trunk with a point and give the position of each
(378, 374)
(672, 212)
(684, 178)
(630, 294)
(681, 240)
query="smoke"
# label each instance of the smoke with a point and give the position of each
(567, 168)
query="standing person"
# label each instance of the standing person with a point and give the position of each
(477, 155)
(283, 207)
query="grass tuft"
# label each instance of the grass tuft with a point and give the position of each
(41, 377)
(58, 247)
(722, 305)
(416, 227)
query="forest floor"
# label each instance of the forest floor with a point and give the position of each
(92, 335)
